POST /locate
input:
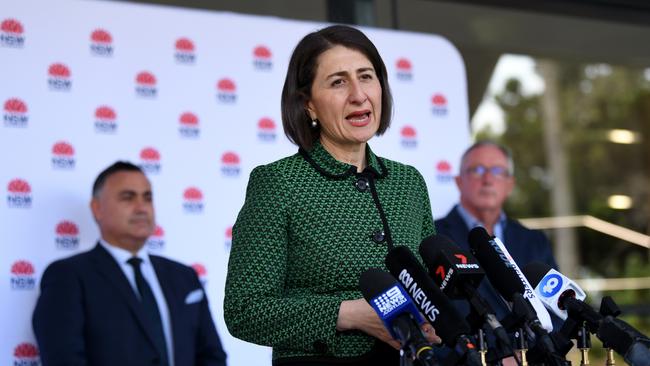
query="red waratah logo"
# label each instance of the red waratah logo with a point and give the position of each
(146, 84)
(101, 36)
(146, 78)
(12, 26)
(230, 164)
(228, 238)
(22, 268)
(59, 77)
(193, 194)
(105, 119)
(58, 70)
(189, 125)
(26, 352)
(149, 154)
(409, 137)
(22, 275)
(157, 239)
(68, 228)
(62, 149)
(201, 272)
(19, 186)
(185, 51)
(150, 160)
(15, 113)
(19, 194)
(158, 232)
(443, 166)
(226, 91)
(101, 43)
(63, 155)
(67, 235)
(189, 119)
(262, 58)
(443, 172)
(193, 200)
(185, 45)
(266, 129)
(404, 69)
(12, 33)
(439, 104)
(15, 105)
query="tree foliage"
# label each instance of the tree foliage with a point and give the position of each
(594, 99)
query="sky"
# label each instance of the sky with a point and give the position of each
(508, 66)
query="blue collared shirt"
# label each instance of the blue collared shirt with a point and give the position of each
(121, 256)
(473, 222)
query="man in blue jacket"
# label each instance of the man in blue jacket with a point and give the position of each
(485, 181)
(116, 304)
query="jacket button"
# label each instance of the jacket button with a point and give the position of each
(378, 236)
(320, 347)
(361, 184)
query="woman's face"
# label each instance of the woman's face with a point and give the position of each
(345, 97)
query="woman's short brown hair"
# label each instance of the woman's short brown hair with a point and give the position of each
(302, 70)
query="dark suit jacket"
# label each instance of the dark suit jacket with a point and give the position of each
(523, 244)
(88, 314)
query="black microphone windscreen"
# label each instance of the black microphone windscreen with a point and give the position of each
(373, 282)
(535, 271)
(450, 266)
(437, 242)
(435, 306)
(496, 263)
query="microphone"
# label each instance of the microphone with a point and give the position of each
(565, 299)
(625, 340)
(509, 281)
(397, 312)
(561, 295)
(450, 266)
(504, 273)
(458, 274)
(437, 309)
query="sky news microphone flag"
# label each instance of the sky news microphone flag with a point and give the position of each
(193, 97)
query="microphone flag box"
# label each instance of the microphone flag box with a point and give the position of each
(555, 285)
(393, 302)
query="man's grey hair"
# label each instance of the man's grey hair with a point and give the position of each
(506, 152)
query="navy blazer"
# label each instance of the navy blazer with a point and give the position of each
(88, 314)
(523, 244)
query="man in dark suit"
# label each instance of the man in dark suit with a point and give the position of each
(485, 181)
(118, 305)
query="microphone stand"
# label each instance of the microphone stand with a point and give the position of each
(405, 358)
(482, 346)
(610, 357)
(584, 344)
(522, 346)
(481, 313)
(608, 307)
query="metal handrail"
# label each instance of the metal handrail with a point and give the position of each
(591, 222)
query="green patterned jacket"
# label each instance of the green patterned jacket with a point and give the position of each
(309, 227)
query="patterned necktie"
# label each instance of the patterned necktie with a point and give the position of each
(150, 308)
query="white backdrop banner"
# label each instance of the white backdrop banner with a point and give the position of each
(193, 97)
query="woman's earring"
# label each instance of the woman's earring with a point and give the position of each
(314, 123)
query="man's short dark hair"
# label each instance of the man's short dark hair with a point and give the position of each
(118, 166)
(302, 70)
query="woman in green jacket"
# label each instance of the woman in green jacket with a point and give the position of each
(314, 221)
